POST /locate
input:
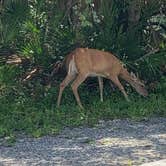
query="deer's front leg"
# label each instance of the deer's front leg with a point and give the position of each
(116, 81)
(100, 80)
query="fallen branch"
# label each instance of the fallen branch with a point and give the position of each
(31, 74)
(14, 59)
(147, 55)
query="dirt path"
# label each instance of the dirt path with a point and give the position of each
(114, 143)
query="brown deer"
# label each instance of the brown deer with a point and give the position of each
(84, 62)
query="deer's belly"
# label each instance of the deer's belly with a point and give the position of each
(96, 75)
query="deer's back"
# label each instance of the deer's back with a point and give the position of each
(95, 62)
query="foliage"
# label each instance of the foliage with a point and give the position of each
(38, 115)
(44, 31)
(14, 14)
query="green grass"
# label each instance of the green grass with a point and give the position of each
(39, 116)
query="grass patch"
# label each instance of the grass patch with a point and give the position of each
(39, 116)
(35, 112)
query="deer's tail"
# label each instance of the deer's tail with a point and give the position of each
(134, 82)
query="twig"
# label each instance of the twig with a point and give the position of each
(67, 12)
(147, 55)
(30, 74)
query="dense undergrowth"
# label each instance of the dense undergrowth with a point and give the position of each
(43, 32)
(37, 116)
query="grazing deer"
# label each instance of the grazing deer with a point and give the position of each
(84, 62)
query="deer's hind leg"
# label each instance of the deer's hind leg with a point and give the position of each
(79, 79)
(64, 83)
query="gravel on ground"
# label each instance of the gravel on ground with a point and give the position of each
(109, 143)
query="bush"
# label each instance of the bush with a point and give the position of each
(45, 31)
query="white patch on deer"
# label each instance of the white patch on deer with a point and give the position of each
(72, 67)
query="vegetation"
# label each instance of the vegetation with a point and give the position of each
(35, 36)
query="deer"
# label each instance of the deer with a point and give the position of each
(87, 62)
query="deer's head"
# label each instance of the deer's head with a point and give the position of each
(139, 85)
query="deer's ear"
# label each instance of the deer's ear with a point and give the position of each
(142, 84)
(135, 78)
